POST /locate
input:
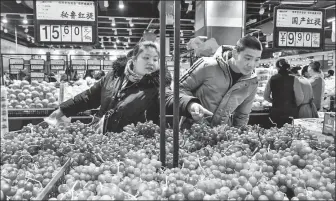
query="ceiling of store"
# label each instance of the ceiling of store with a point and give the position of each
(145, 15)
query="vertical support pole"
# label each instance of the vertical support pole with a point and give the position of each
(177, 14)
(162, 82)
(16, 41)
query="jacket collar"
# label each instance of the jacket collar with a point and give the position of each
(224, 65)
(153, 79)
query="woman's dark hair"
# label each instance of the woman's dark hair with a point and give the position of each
(316, 66)
(119, 65)
(304, 70)
(248, 41)
(282, 64)
(295, 70)
(142, 46)
(88, 74)
(331, 72)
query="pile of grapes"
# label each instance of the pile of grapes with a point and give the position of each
(221, 163)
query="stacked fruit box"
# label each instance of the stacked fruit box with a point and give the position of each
(4, 111)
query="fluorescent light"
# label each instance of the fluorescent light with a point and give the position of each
(331, 19)
(118, 41)
(262, 10)
(4, 19)
(121, 4)
(115, 45)
(106, 4)
(26, 30)
(5, 30)
(25, 20)
(113, 23)
(130, 32)
(18, 1)
(306, 2)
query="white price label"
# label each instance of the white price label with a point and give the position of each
(307, 39)
(93, 62)
(315, 39)
(290, 38)
(56, 67)
(78, 62)
(36, 67)
(299, 39)
(16, 67)
(57, 62)
(282, 38)
(93, 67)
(78, 67)
(87, 33)
(36, 62)
(37, 74)
(16, 61)
(44, 32)
(76, 34)
(56, 33)
(66, 33)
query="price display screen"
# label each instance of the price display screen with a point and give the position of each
(78, 64)
(74, 22)
(298, 28)
(94, 64)
(37, 69)
(57, 64)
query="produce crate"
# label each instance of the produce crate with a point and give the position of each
(51, 189)
(36, 112)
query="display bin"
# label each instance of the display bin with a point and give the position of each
(51, 188)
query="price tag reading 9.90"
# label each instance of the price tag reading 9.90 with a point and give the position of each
(299, 39)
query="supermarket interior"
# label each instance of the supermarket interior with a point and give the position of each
(248, 111)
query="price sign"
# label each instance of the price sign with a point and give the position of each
(57, 64)
(94, 64)
(15, 65)
(78, 64)
(298, 28)
(107, 65)
(74, 22)
(329, 124)
(37, 69)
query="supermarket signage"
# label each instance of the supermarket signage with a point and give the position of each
(57, 64)
(298, 28)
(329, 124)
(15, 65)
(107, 65)
(37, 69)
(78, 64)
(73, 22)
(94, 64)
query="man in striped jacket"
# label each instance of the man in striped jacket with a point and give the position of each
(225, 83)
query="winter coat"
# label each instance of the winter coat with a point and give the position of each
(307, 109)
(317, 84)
(137, 102)
(209, 79)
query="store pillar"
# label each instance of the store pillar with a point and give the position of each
(222, 20)
(47, 63)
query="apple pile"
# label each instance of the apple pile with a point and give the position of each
(22, 95)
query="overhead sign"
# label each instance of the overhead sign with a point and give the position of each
(15, 65)
(94, 64)
(298, 28)
(78, 64)
(74, 22)
(57, 64)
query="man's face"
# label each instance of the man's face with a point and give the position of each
(247, 60)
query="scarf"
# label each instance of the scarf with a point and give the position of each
(130, 74)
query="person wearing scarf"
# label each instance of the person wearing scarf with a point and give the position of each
(129, 94)
(283, 90)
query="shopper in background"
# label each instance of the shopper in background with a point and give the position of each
(307, 108)
(130, 97)
(317, 82)
(330, 74)
(99, 75)
(89, 73)
(304, 72)
(225, 83)
(283, 90)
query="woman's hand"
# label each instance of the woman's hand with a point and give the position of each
(56, 118)
(197, 111)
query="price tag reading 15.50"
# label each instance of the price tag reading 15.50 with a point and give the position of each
(65, 33)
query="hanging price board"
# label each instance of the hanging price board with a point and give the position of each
(298, 28)
(15, 65)
(57, 64)
(329, 124)
(107, 65)
(74, 22)
(94, 64)
(78, 64)
(37, 69)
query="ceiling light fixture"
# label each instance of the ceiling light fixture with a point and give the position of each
(115, 32)
(106, 4)
(4, 19)
(109, 40)
(262, 10)
(115, 45)
(18, 1)
(129, 40)
(25, 20)
(130, 32)
(5, 30)
(127, 45)
(118, 41)
(121, 4)
(131, 23)
(26, 30)
(181, 33)
(113, 23)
